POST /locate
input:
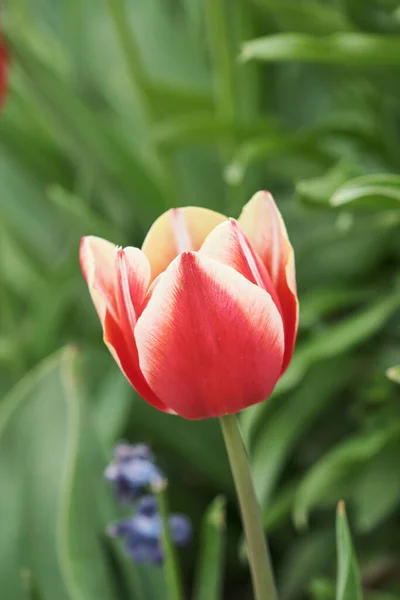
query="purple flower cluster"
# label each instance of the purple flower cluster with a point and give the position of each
(132, 472)
(142, 532)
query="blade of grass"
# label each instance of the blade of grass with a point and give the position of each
(171, 566)
(358, 49)
(348, 576)
(209, 580)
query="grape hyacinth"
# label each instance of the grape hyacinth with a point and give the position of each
(133, 473)
(142, 532)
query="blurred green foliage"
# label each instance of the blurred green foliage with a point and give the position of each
(116, 111)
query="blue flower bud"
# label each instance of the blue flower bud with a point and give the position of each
(181, 529)
(120, 528)
(147, 506)
(142, 532)
(132, 470)
(124, 451)
(144, 551)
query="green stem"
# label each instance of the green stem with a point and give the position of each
(260, 562)
(171, 567)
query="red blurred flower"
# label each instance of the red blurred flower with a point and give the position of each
(3, 71)
(202, 320)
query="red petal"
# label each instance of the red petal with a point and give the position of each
(133, 277)
(210, 342)
(125, 359)
(266, 231)
(228, 244)
(97, 258)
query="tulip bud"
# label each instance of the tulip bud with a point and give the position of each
(203, 320)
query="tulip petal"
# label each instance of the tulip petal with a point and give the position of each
(98, 262)
(263, 224)
(133, 278)
(178, 230)
(125, 359)
(228, 244)
(97, 258)
(210, 342)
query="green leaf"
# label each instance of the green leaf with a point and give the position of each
(339, 338)
(90, 140)
(209, 575)
(29, 586)
(329, 477)
(79, 521)
(80, 213)
(296, 414)
(376, 493)
(49, 454)
(322, 302)
(280, 508)
(207, 127)
(30, 217)
(168, 100)
(276, 143)
(352, 49)
(171, 566)
(32, 465)
(379, 192)
(319, 190)
(309, 16)
(110, 422)
(322, 589)
(327, 343)
(305, 558)
(348, 574)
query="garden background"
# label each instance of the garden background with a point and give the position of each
(117, 111)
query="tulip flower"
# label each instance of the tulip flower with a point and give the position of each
(203, 319)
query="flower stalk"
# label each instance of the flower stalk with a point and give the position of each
(259, 558)
(171, 567)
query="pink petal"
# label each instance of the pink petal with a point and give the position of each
(98, 261)
(133, 279)
(97, 258)
(126, 359)
(263, 224)
(228, 244)
(210, 342)
(178, 230)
